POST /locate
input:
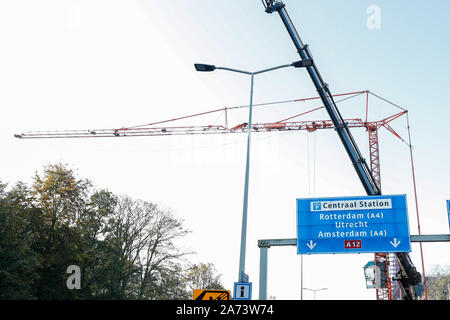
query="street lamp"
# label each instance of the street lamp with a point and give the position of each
(208, 68)
(315, 290)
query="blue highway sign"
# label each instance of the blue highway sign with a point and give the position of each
(353, 225)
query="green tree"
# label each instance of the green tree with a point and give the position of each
(62, 199)
(18, 261)
(94, 251)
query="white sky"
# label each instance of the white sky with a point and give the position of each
(108, 64)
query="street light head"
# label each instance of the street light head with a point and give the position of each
(303, 63)
(204, 67)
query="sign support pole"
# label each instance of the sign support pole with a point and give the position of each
(263, 261)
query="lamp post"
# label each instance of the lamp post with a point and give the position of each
(208, 68)
(315, 290)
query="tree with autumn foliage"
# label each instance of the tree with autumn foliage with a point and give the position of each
(203, 276)
(124, 248)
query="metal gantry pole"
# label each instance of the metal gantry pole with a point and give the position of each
(301, 277)
(263, 262)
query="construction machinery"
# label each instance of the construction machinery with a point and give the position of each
(408, 275)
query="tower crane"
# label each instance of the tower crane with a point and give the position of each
(292, 123)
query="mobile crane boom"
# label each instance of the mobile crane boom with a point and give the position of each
(408, 275)
(359, 163)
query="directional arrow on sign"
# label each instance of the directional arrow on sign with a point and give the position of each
(395, 243)
(311, 244)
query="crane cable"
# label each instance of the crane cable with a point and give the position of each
(225, 109)
(417, 206)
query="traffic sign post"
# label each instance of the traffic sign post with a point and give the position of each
(353, 225)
